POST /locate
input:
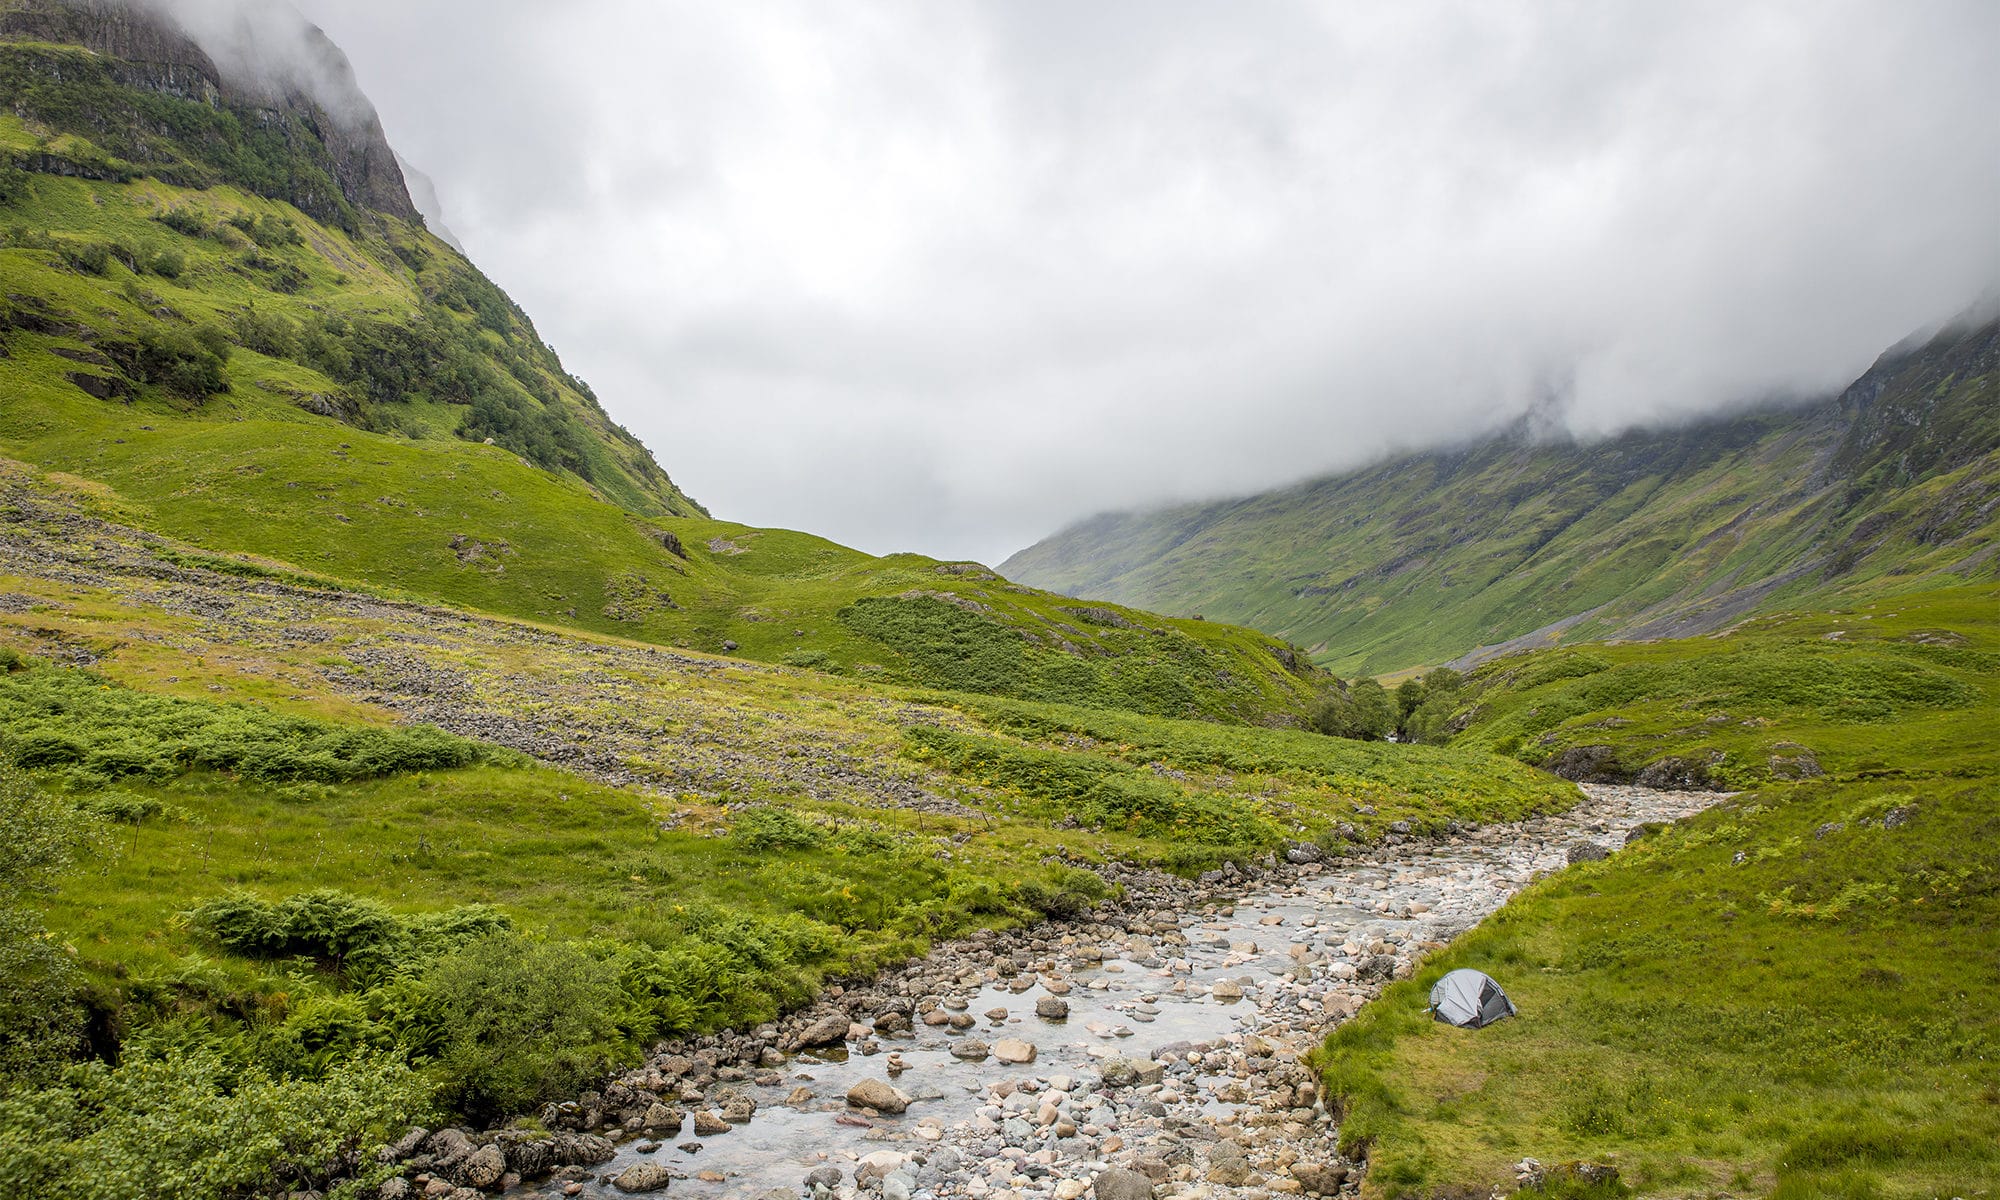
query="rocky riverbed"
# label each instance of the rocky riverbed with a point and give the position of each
(1150, 1049)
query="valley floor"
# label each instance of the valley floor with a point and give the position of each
(1167, 1034)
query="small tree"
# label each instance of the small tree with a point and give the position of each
(1374, 711)
(40, 1020)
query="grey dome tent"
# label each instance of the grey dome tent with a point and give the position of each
(1469, 1000)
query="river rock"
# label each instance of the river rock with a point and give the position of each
(1131, 1072)
(1320, 1179)
(659, 1116)
(970, 1050)
(1583, 852)
(708, 1124)
(1227, 1164)
(449, 1147)
(823, 1032)
(1052, 1008)
(1014, 1051)
(643, 1177)
(1118, 1183)
(878, 1095)
(483, 1167)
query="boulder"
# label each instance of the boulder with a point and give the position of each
(1320, 1179)
(1131, 1072)
(707, 1124)
(659, 1116)
(1052, 1008)
(483, 1167)
(405, 1146)
(448, 1147)
(1227, 1164)
(878, 1095)
(1583, 852)
(1121, 1184)
(823, 1032)
(1014, 1051)
(971, 1050)
(642, 1177)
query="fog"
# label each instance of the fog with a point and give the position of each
(945, 275)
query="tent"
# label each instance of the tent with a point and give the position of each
(1470, 1000)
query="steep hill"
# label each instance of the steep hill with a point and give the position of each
(1890, 486)
(217, 300)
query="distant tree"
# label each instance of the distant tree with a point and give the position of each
(40, 1018)
(1375, 712)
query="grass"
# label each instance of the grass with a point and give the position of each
(1886, 689)
(240, 763)
(1789, 995)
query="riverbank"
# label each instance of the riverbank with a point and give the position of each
(1153, 1047)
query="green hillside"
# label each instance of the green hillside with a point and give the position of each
(298, 371)
(1885, 489)
(1789, 995)
(301, 915)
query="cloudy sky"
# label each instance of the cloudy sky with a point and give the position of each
(945, 274)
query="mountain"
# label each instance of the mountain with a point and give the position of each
(1459, 553)
(218, 301)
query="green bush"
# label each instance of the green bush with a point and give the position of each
(767, 828)
(16, 185)
(184, 1125)
(40, 1019)
(1071, 893)
(340, 931)
(52, 717)
(183, 221)
(1362, 710)
(509, 1022)
(91, 257)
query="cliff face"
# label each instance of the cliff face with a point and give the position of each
(305, 99)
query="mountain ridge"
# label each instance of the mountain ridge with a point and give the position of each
(1435, 556)
(256, 359)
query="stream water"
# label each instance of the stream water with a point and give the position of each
(1244, 987)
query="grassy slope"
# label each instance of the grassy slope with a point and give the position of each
(1784, 996)
(420, 511)
(1422, 559)
(560, 853)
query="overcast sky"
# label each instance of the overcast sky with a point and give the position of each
(945, 275)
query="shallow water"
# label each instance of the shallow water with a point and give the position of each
(1136, 1003)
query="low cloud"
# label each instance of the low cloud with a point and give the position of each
(944, 275)
(268, 48)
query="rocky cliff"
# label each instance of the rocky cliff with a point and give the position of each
(302, 102)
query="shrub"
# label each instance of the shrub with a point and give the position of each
(766, 828)
(167, 263)
(40, 1020)
(16, 184)
(183, 1125)
(51, 717)
(91, 257)
(339, 930)
(1071, 893)
(509, 1022)
(267, 333)
(183, 221)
